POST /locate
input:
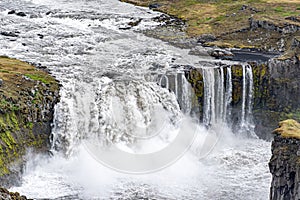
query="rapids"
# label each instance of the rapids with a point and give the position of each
(119, 90)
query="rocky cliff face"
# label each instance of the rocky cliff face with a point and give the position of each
(285, 162)
(7, 195)
(276, 92)
(27, 100)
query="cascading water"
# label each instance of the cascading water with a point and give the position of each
(182, 89)
(228, 95)
(217, 96)
(218, 91)
(104, 96)
(246, 116)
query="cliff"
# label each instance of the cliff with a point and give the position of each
(277, 94)
(285, 162)
(27, 99)
(276, 91)
(261, 25)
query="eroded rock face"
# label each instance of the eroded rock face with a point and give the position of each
(7, 195)
(27, 100)
(285, 162)
(277, 94)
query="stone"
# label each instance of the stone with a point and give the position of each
(8, 34)
(40, 36)
(21, 14)
(206, 38)
(6, 195)
(284, 163)
(1, 82)
(11, 12)
(154, 5)
(221, 54)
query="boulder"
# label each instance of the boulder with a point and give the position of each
(11, 12)
(154, 5)
(21, 14)
(221, 54)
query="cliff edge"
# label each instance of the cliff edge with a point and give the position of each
(285, 161)
(27, 99)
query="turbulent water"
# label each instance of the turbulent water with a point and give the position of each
(119, 89)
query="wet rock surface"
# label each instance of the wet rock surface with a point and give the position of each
(284, 164)
(27, 99)
(7, 195)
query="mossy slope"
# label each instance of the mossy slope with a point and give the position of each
(27, 99)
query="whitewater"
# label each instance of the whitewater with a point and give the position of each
(112, 98)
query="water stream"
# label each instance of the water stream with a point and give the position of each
(119, 90)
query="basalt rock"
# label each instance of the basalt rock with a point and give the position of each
(285, 162)
(284, 28)
(21, 14)
(27, 100)
(7, 195)
(276, 92)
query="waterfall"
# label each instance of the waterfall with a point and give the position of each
(218, 96)
(228, 95)
(186, 95)
(246, 115)
(183, 91)
(113, 111)
(220, 99)
(209, 96)
(164, 81)
(176, 84)
(243, 120)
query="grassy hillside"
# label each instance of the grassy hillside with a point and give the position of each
(27, 99)
(230, 20)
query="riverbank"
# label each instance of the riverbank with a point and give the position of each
(262, 24)
(28, 96)
(7, 195)
(284, 164)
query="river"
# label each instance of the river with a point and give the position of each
(112, 93)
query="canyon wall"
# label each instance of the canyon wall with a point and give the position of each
(27, 99)
(285, 162)
(276, 89)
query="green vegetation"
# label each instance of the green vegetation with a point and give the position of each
(39, 77)
(229, 20)
(23, 93)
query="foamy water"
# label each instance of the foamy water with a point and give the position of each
(85, 49)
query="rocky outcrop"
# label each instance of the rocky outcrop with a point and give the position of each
(284, 26)
(285, 162)
(27, 100)
(277, 94)
(6, 195)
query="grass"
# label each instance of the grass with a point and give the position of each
(17, 105)
(19, 78)
(289, 129)
(223, 18)
(39, 77)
